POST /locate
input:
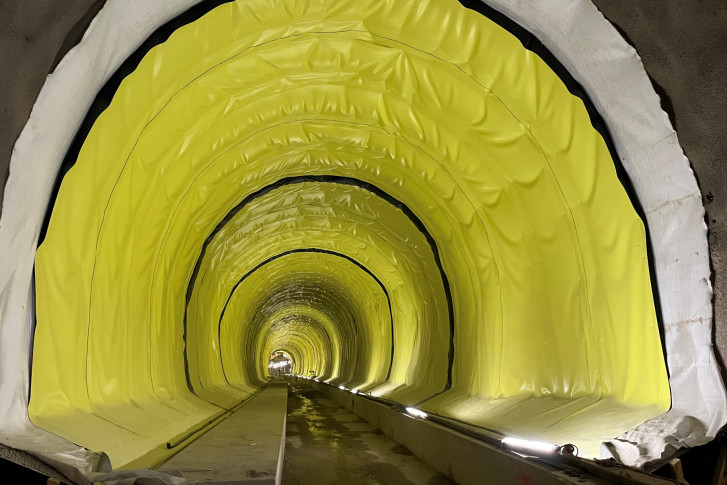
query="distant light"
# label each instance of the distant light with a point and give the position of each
(316, 380)
(527, 445)
(342, 388)
(416, 413)
(278, 365)
(354, 391)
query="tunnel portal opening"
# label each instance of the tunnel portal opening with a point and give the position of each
(280, 363)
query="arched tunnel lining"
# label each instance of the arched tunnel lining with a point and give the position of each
(333, 253)
(307, 186)
(347, 181)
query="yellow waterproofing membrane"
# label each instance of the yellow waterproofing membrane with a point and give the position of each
(396, 193)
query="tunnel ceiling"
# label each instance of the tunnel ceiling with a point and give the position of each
(397, 194)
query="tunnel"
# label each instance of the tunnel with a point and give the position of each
(417, 201)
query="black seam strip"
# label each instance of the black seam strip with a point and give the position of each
(309, 250)
(333, 179)
(528, 40)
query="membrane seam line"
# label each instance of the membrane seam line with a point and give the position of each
(343, 181)
(318, 251)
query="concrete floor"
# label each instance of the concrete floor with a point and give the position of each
(327, 444)
(244, 448)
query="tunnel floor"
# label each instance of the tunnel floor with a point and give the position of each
(327, 444)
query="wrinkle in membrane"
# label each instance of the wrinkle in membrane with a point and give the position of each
(456, 120)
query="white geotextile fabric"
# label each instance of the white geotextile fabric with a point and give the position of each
(119, 28)
(574, 31)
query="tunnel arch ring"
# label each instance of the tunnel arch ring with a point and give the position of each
(613, 77)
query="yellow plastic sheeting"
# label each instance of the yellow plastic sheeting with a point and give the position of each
(361, 358)
(358, 224)
(554, 328)
(364, 355)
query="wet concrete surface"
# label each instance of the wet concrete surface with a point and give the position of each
(327, 444)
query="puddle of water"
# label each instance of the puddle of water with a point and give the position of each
(330, 445)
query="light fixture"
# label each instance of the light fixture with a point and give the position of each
(517, 444)
(354, 391)
(342, 388)
(416, 413)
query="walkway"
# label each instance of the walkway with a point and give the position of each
(244, 448)
(326, 444)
